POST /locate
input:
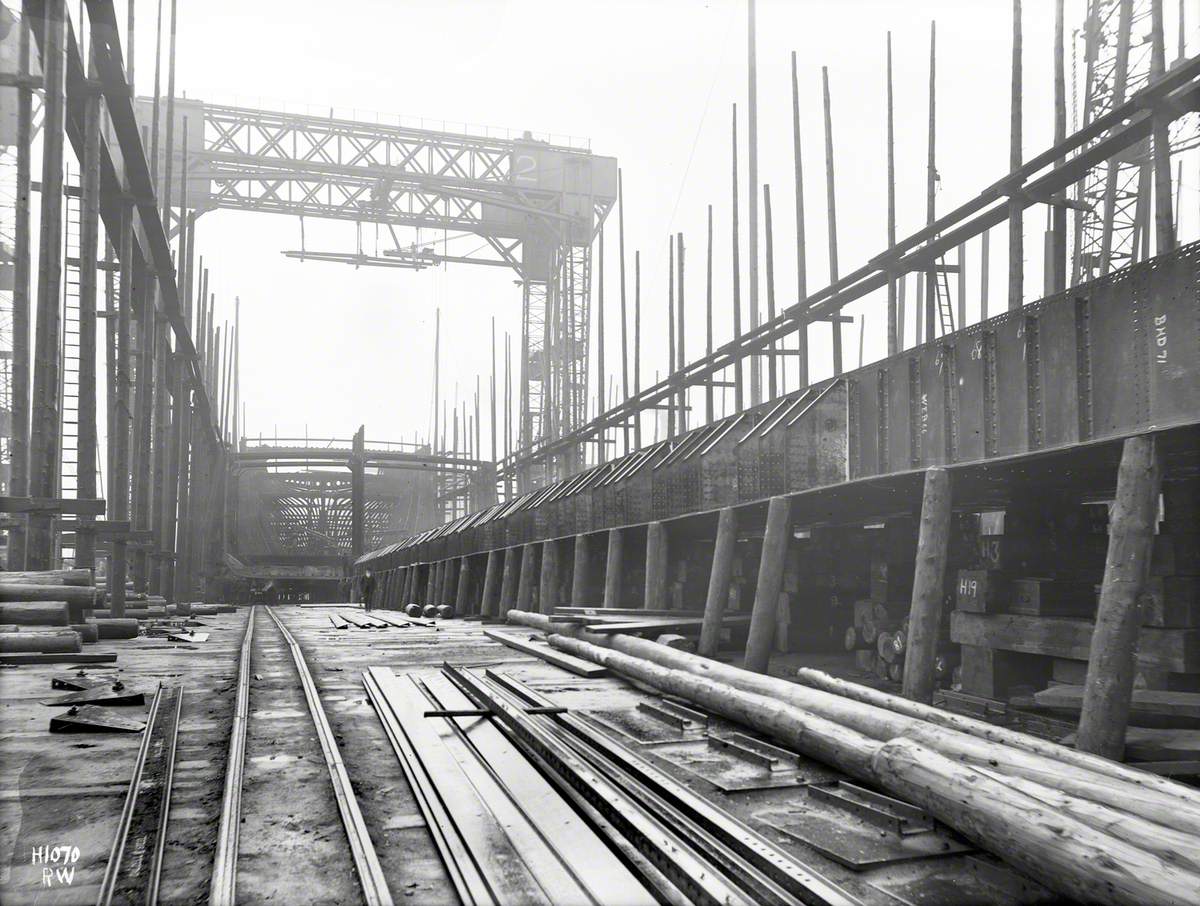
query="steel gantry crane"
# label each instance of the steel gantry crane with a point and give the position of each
(537, 205)
(1113, 228)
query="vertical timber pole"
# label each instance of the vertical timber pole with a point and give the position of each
(22, 260)
(579, 570)
(358, 496)
(752, 128)
(738, 368)
(656, 566)
(118, 480)
(89, 243)
(1112, 661)
(926, 300)
(770, 580)
(709, 412)
(831, 211)
(601, 371)
(772, 365)
(984, 268)
(430, 580)
(47, 363)
(509, 581)
(801, 250)
(613, 566)
(637, 343)
(718, 582)
(925, 615)
(895, 330)
(624, 314)
(491, 584)
(680, 347)
(548, 585)
(1016, 238)
(525, 583)
(159, 453)
(449, 582)
(1163, 218)
(672, 400)
(463, 595)
(1058, 216)
(143, 414)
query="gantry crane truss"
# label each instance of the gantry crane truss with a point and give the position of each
(1113, 230)
(536, 205)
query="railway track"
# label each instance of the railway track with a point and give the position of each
(525, 801)
(259, 796)
(372, 884)
(135, 860)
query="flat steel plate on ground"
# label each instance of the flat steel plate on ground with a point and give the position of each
(728, 768)
(641, 727)
(113, 694)
(970, 881)
(78, 681)
(94, 719)
(853, 842)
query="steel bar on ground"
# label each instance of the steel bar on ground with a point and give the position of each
(222, 890)
(132, 873)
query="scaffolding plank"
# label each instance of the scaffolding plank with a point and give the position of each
(567, 662)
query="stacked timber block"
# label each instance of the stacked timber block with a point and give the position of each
(52, 612)
(1025, 608)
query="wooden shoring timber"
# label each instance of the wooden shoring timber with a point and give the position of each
(49, 577)
(84, 596)
(490, 600)
(1113, 655)
(925, 613)
(1107, 783)
(659, 625)
(541, 650)
(1068, 854)
(993, 733)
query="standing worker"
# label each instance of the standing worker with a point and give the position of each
(368, 586)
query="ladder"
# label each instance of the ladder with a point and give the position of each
(68, 476)
(945, 307)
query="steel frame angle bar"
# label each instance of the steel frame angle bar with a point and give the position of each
(557, 843)
(484, 864)
(464, 873)
(685, 862)
(766, 856)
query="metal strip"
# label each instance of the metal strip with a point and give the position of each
(223, 888)
(366, 861)
(1033, 379)
(130, 876)
(463, 871)
(766, 857)
(689, 866)
(1083, 367)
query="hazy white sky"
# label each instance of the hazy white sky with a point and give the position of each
(326, 347)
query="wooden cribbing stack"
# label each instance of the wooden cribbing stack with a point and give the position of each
(54, 612)
(1087, 827)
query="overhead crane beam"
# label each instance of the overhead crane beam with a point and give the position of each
(537, 205)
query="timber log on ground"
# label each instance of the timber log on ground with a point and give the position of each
(1055, 824)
